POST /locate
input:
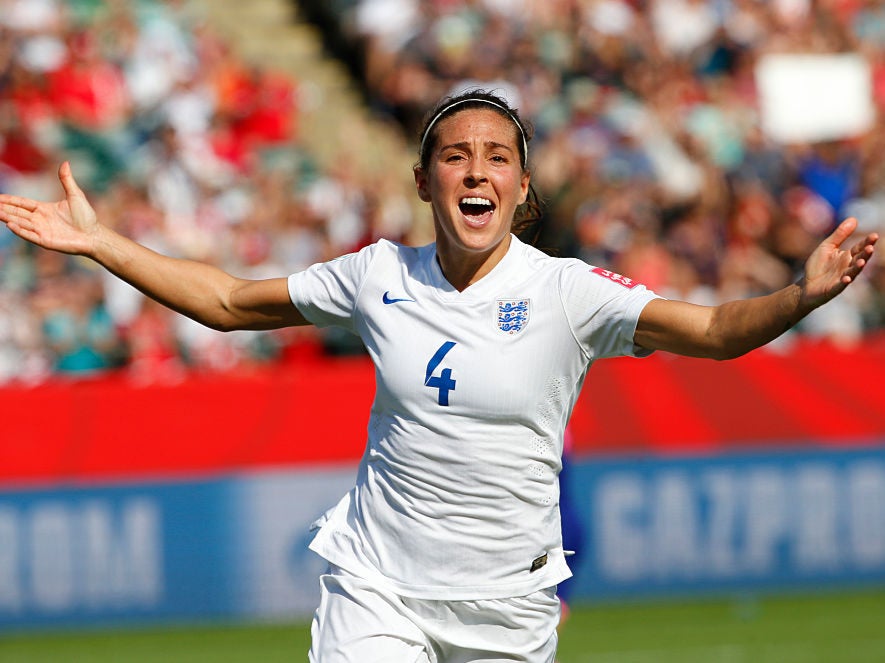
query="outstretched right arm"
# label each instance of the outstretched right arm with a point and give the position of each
(201, 292)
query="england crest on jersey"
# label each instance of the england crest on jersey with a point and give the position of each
(513, 315)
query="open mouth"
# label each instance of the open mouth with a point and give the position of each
(475, 209)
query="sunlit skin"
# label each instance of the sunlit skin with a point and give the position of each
(475, 154)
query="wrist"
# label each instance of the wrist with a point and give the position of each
(98, 241)
(806, 301)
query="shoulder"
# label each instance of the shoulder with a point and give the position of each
(589, 287)
(387, 250)
(361, 259)
(531, 270)
(562, 271)
(577, 270)
(535, 260)
(574, 272)
(382, 260)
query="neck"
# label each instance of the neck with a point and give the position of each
(462, 268)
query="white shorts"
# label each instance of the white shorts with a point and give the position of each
(357, 622)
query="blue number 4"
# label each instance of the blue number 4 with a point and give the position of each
(444, 381)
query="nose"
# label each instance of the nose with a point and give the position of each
(475, 174)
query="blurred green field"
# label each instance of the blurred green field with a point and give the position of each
(831, 628)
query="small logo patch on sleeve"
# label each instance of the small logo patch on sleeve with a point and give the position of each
(617, 278)
(538, 563)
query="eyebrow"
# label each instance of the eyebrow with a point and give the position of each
(464, 144)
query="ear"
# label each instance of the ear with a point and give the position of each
(524, 186)
(421, 184)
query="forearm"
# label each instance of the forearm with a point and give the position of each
(199, 291)
(738, 327)
(732, 329)
(724, 331)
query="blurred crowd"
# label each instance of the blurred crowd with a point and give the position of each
(650, 148)
(649, 154)
(181, 144)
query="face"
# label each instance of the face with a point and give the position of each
(474, 183)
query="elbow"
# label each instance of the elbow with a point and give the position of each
(726, 355)
(227, 324)
(219, 326)
(726, 351)
(722, 348)
(221, 322)
(225, 316)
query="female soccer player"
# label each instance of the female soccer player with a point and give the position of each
(448, 548)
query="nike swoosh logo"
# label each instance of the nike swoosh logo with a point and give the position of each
(387, 299)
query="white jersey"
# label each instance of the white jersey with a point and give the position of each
(457, 493)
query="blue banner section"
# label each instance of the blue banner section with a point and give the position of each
(654, 526)
(236, 547)
(115, 554)
(226, 548)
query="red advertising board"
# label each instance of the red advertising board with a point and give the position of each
(314, 411)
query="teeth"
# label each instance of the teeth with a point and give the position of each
(476, 201)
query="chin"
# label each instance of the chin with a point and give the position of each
(484, 243)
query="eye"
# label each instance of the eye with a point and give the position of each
(499, 158)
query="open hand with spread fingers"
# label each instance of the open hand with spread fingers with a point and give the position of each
(831, 268)
(69, 225)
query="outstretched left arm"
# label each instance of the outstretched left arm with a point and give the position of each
(734, 328)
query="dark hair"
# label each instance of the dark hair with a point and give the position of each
(528, 216)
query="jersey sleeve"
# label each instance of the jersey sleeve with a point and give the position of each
(603, 309)
(326, 293)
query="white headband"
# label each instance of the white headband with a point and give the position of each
(525, 147)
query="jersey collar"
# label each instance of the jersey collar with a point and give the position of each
(488, 286)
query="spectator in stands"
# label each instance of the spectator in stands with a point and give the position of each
(154, 355)
(78, 329)
(90, 98)
(23, 356)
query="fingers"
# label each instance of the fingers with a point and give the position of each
(11, 204)
(66, 177)
(842, 232)
(864, 248)
(18, 219)
(860, 255)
